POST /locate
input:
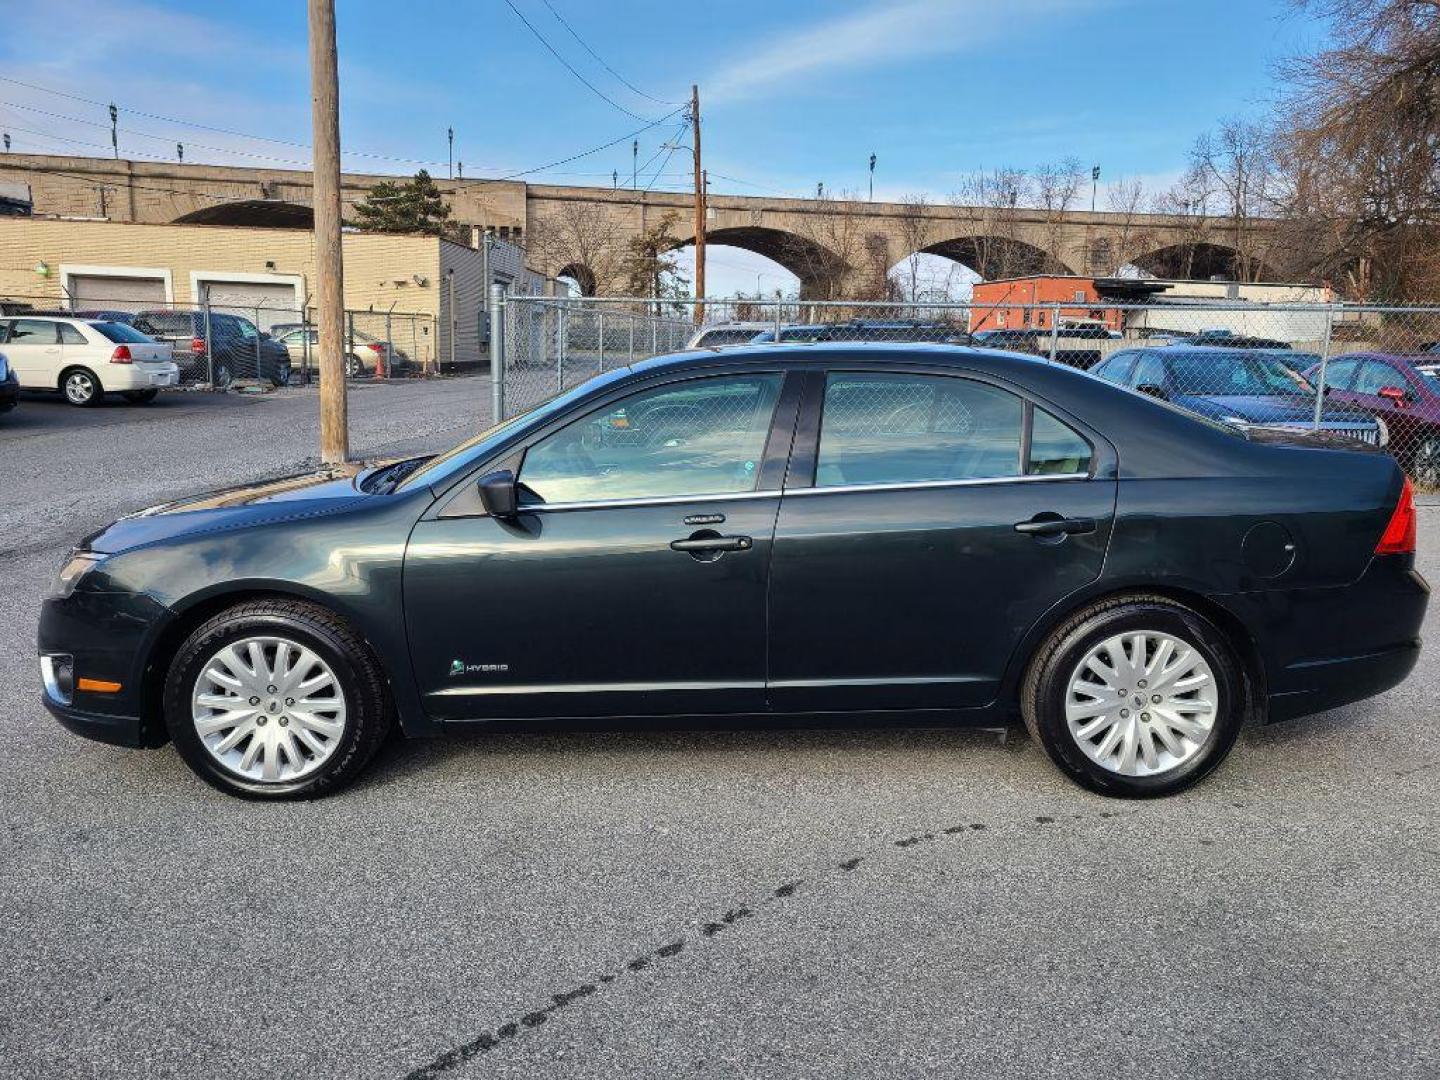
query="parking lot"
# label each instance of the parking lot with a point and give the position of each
(742, 903)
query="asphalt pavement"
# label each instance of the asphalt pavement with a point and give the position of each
(688, 904)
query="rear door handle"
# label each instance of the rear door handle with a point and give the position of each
(713, 543)
(1055, 526)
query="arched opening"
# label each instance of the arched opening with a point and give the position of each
(254, 213)
(795, 264)
(1202, 262)
(926, 278)
(576, 279)
(993, 257)
(736, 273)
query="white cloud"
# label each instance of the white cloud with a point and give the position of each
(878, 34)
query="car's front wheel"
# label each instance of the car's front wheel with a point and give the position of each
(1425, 466)
(81, 387)
(1135, 696)
(276, 699)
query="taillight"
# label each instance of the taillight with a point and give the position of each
(197, 345)
(375, 347)
(121, 355)
(1399, 536)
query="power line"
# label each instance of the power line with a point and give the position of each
(561, 19)
(208, 127)
(570, 67)
(592, 150)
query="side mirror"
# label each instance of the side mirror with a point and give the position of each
(1395, 394)
(500, 494)
(1153, 391)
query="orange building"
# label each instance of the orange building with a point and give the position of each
(1033, 302)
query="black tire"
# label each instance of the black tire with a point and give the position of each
(140, 397)
(80, 387)
(369, 715)
(281, 377)
(1046, 685)
(223, 377)
(354, 369)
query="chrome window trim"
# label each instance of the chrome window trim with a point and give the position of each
(924, 485)
(657, 500)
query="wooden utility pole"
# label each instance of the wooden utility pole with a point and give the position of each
(699, 206)
(329, 267)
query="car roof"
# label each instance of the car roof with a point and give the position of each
(866, 353)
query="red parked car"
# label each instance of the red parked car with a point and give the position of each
(1404, 392)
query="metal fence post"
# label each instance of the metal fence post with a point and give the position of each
(1054, 330)
(257, 341)
(600, 320)
(209, 347)
(350, 342)
(779, 311)
(497, 353)
(1324, 362)
(654, 340)
(562, 331)
(389, 347)
(632, 339)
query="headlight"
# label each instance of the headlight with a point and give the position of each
(75, 568)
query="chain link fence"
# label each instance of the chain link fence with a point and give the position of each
(1358, 372)
(220, 345)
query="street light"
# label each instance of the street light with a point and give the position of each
(114, 136)
(450, 137)
(872, 177)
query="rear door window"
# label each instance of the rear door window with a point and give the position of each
(1375, 376)
(897, 429)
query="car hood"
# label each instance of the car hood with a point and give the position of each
(1269, 409)
(323, 491)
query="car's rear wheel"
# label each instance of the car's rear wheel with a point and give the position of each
(223, 377)
(1136, 697)
(80, 387)
(1425, 466)
(354, 369)
(276, 699)
(140, 397)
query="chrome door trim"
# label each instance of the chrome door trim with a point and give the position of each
(926, 485)
(910, 680)
(658, 500)
(591, 688)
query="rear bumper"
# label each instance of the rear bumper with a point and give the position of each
(1327, 647)
(121, 377)
(1343, 680)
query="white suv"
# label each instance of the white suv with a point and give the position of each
(86, 358)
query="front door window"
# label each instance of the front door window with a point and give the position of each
(701, 437)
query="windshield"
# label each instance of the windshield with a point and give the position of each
(440, 468)
(1238, 374)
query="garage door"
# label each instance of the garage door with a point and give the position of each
(119, 293)
(263, 303)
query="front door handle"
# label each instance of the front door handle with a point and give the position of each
(712, 543)
(1055, 526)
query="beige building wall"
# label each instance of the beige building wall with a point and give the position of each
(408, 275)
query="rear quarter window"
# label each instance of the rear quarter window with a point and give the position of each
(118, 332)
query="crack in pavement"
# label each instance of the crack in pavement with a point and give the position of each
(733, 918)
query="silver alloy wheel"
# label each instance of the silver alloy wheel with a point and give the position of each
(268, 709)
(79, 388)
(1426, 467)
(1141, 703)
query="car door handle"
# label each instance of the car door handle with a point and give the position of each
(1055, 526)
(712, 543)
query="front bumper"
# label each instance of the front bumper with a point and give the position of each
(108, 637)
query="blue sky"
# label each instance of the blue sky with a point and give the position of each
(793, 93)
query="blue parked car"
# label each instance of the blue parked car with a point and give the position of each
(1242, 387)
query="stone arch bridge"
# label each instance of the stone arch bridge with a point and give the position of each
(838, 249)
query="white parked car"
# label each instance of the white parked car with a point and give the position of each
(87, 358)
(729, 333)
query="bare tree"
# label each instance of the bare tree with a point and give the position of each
(1056, 186)
(1359, 150)
(1236, 164)
(579, 237)
(992, 201)
(916, 228)
(1127, 200)
(829, 249)
(1187, 203)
